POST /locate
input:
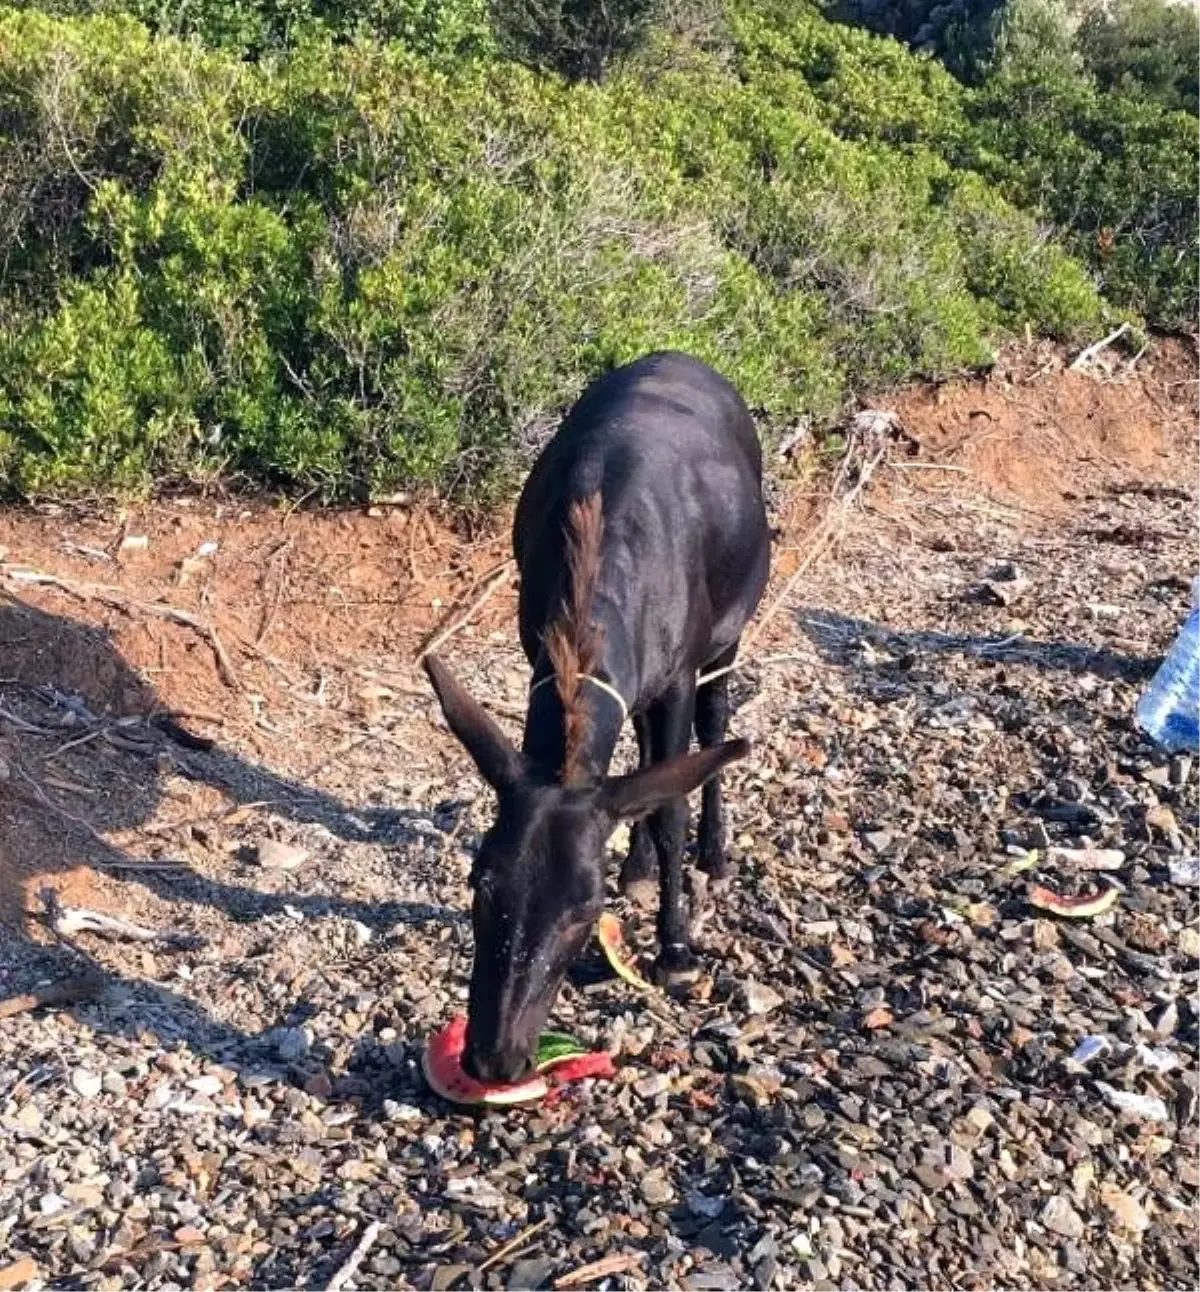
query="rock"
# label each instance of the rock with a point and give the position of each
(760, 999)
(273, 855)
(1145, 1107)
(530, 1275)
(1061, 1218)
(1167, 1022)
(656, 1189)
(1189, 942)
(1127, 1212)
(292, 1043)
(86, 1083)
(1185, 871)
(1089, 1048)
(650, 1087)
(712, 1278)
(1007, 591)
(701, 1204)
(445, 1276)
(879, 841)
(206, 1085)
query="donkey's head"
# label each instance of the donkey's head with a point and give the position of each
(538, 878)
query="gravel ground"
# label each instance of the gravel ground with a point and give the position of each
(886, 1080)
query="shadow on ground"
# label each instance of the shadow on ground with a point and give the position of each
(85, 757)
(839, 640)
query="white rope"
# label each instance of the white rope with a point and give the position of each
(595, 681)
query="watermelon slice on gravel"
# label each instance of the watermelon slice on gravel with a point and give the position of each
(612, 940)
(560, 1059)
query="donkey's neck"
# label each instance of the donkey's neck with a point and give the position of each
(545, 721)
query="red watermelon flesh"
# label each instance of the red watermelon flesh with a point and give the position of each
(582, 1066)
(442, 1063)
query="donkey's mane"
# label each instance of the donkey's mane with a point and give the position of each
(574, 641)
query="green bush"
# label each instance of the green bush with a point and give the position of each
(443, 29)
(1118, 175)
(351, 267)
(1144, 49)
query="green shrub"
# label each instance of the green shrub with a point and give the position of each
(1118, 175)
(442, 29)
(1144, 49)
(350, 268)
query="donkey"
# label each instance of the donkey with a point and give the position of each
(643, 548)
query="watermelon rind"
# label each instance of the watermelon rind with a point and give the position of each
(556, 1047)
(612, 940)
(458, 1088)
(1077, 908)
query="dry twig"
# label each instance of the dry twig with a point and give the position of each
(1088, 356)
(439, 639)
(604, 1268)
(514, 1245)
(355, 1259)
(66, 921)
(118, 600)
(68, 991)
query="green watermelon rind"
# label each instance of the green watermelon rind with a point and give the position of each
(556, 1047)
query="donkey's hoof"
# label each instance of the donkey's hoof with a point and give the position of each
(677, 971)
(718, 868)
(641, 892)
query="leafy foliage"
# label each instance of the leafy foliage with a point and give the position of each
(436, 28)
(353, 265)
(1144, 49)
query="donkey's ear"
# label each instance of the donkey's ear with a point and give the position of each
(499, 762)
(641, 792)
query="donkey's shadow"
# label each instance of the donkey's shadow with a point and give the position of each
(69, 777)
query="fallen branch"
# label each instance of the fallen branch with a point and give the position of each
(514, 1245)
(604, 1268)
(1088, 356)
(489, 589)
(68, 991)
(21, 725)
(67, 921)
(355, 1259)
(118, 600)
(46, 801)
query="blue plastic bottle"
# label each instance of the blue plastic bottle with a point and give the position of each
(1169, 712)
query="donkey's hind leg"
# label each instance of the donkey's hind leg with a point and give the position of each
(639, 870)
(712, 722)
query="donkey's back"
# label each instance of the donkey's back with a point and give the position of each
(669, 446)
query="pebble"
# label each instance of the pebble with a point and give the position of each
(292, 1043)
(271, 854)
(650, 1087)
(86, 1083)
(760, 999)
(1126, 1211)
(1146, 1107)
(655, 1189)
(1185, 871)
(1061, 1218)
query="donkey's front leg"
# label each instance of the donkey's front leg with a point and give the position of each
(669, 725)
